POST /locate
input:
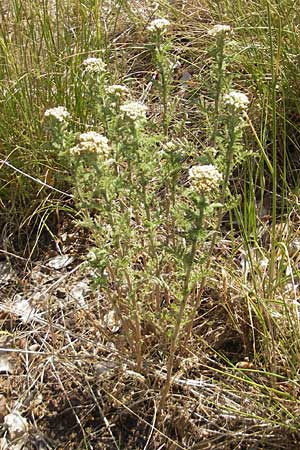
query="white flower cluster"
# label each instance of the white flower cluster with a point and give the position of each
(91, 142)
(237, 100)
(219, 29)
(117, 89)
(134, 110)
(158, 25)
(205, 178)
(170, 145)
(94, 65)
(59, 113)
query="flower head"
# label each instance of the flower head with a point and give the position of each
(205, 178)
(94, 65)
(58, 113)
(91, 142)
(237, 100)
(117, 90)
(219, 29)
(158, 25)
(134, 110)
(170, 146)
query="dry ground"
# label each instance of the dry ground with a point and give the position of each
(67, 370)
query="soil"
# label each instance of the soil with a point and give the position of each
(67, 370)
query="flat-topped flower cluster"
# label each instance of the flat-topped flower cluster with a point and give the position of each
(134, 110)
(91, 142)
(58, 113)
(237, 100)
(219, 29)
(94, 65)
(205, 179)
(159, 26)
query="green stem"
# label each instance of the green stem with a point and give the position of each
(229, 157)
(180, 315)
(219, 87)
(161, 58)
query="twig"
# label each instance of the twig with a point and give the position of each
(37, 180)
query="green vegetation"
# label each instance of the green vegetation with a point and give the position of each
(168, 135)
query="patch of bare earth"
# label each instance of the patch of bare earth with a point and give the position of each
(67, 370)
